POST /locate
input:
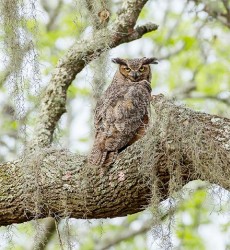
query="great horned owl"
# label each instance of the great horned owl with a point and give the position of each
(122, 113)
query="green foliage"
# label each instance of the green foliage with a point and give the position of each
(197, 213)
(74, 91)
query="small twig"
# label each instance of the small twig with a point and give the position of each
(171, 54)
(54, 15)
(48, 233)
(59, 235)
(227, 8)
(215, 98)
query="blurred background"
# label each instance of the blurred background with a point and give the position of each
(192, 44)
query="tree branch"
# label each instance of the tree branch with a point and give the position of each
(116, 239)
(222, 17)
(181, 145)
(217, 98)
(54, 101)
(107, 242)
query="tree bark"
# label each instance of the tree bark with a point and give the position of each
(181, 145)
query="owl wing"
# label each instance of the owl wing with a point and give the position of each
(118, 115)
(108, 100)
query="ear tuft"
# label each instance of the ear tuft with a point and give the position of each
(151, 60)
(119, 61)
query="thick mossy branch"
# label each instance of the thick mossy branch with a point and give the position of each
(54, 101)
(181, 145)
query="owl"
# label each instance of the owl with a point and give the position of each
(122, 113)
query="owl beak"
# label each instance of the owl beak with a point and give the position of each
(135, 75)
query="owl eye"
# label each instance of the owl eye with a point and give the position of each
(141, 69)
(127, 69)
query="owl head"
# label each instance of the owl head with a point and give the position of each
(135, 69)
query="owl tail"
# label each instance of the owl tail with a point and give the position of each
(97, 156)
(102, 158)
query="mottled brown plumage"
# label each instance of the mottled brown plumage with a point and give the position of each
(122, 113)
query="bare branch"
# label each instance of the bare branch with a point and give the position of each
(54, 15)
(222, 17)
(218, 98)
(49, 230)
(128, 234)
(172, 53)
